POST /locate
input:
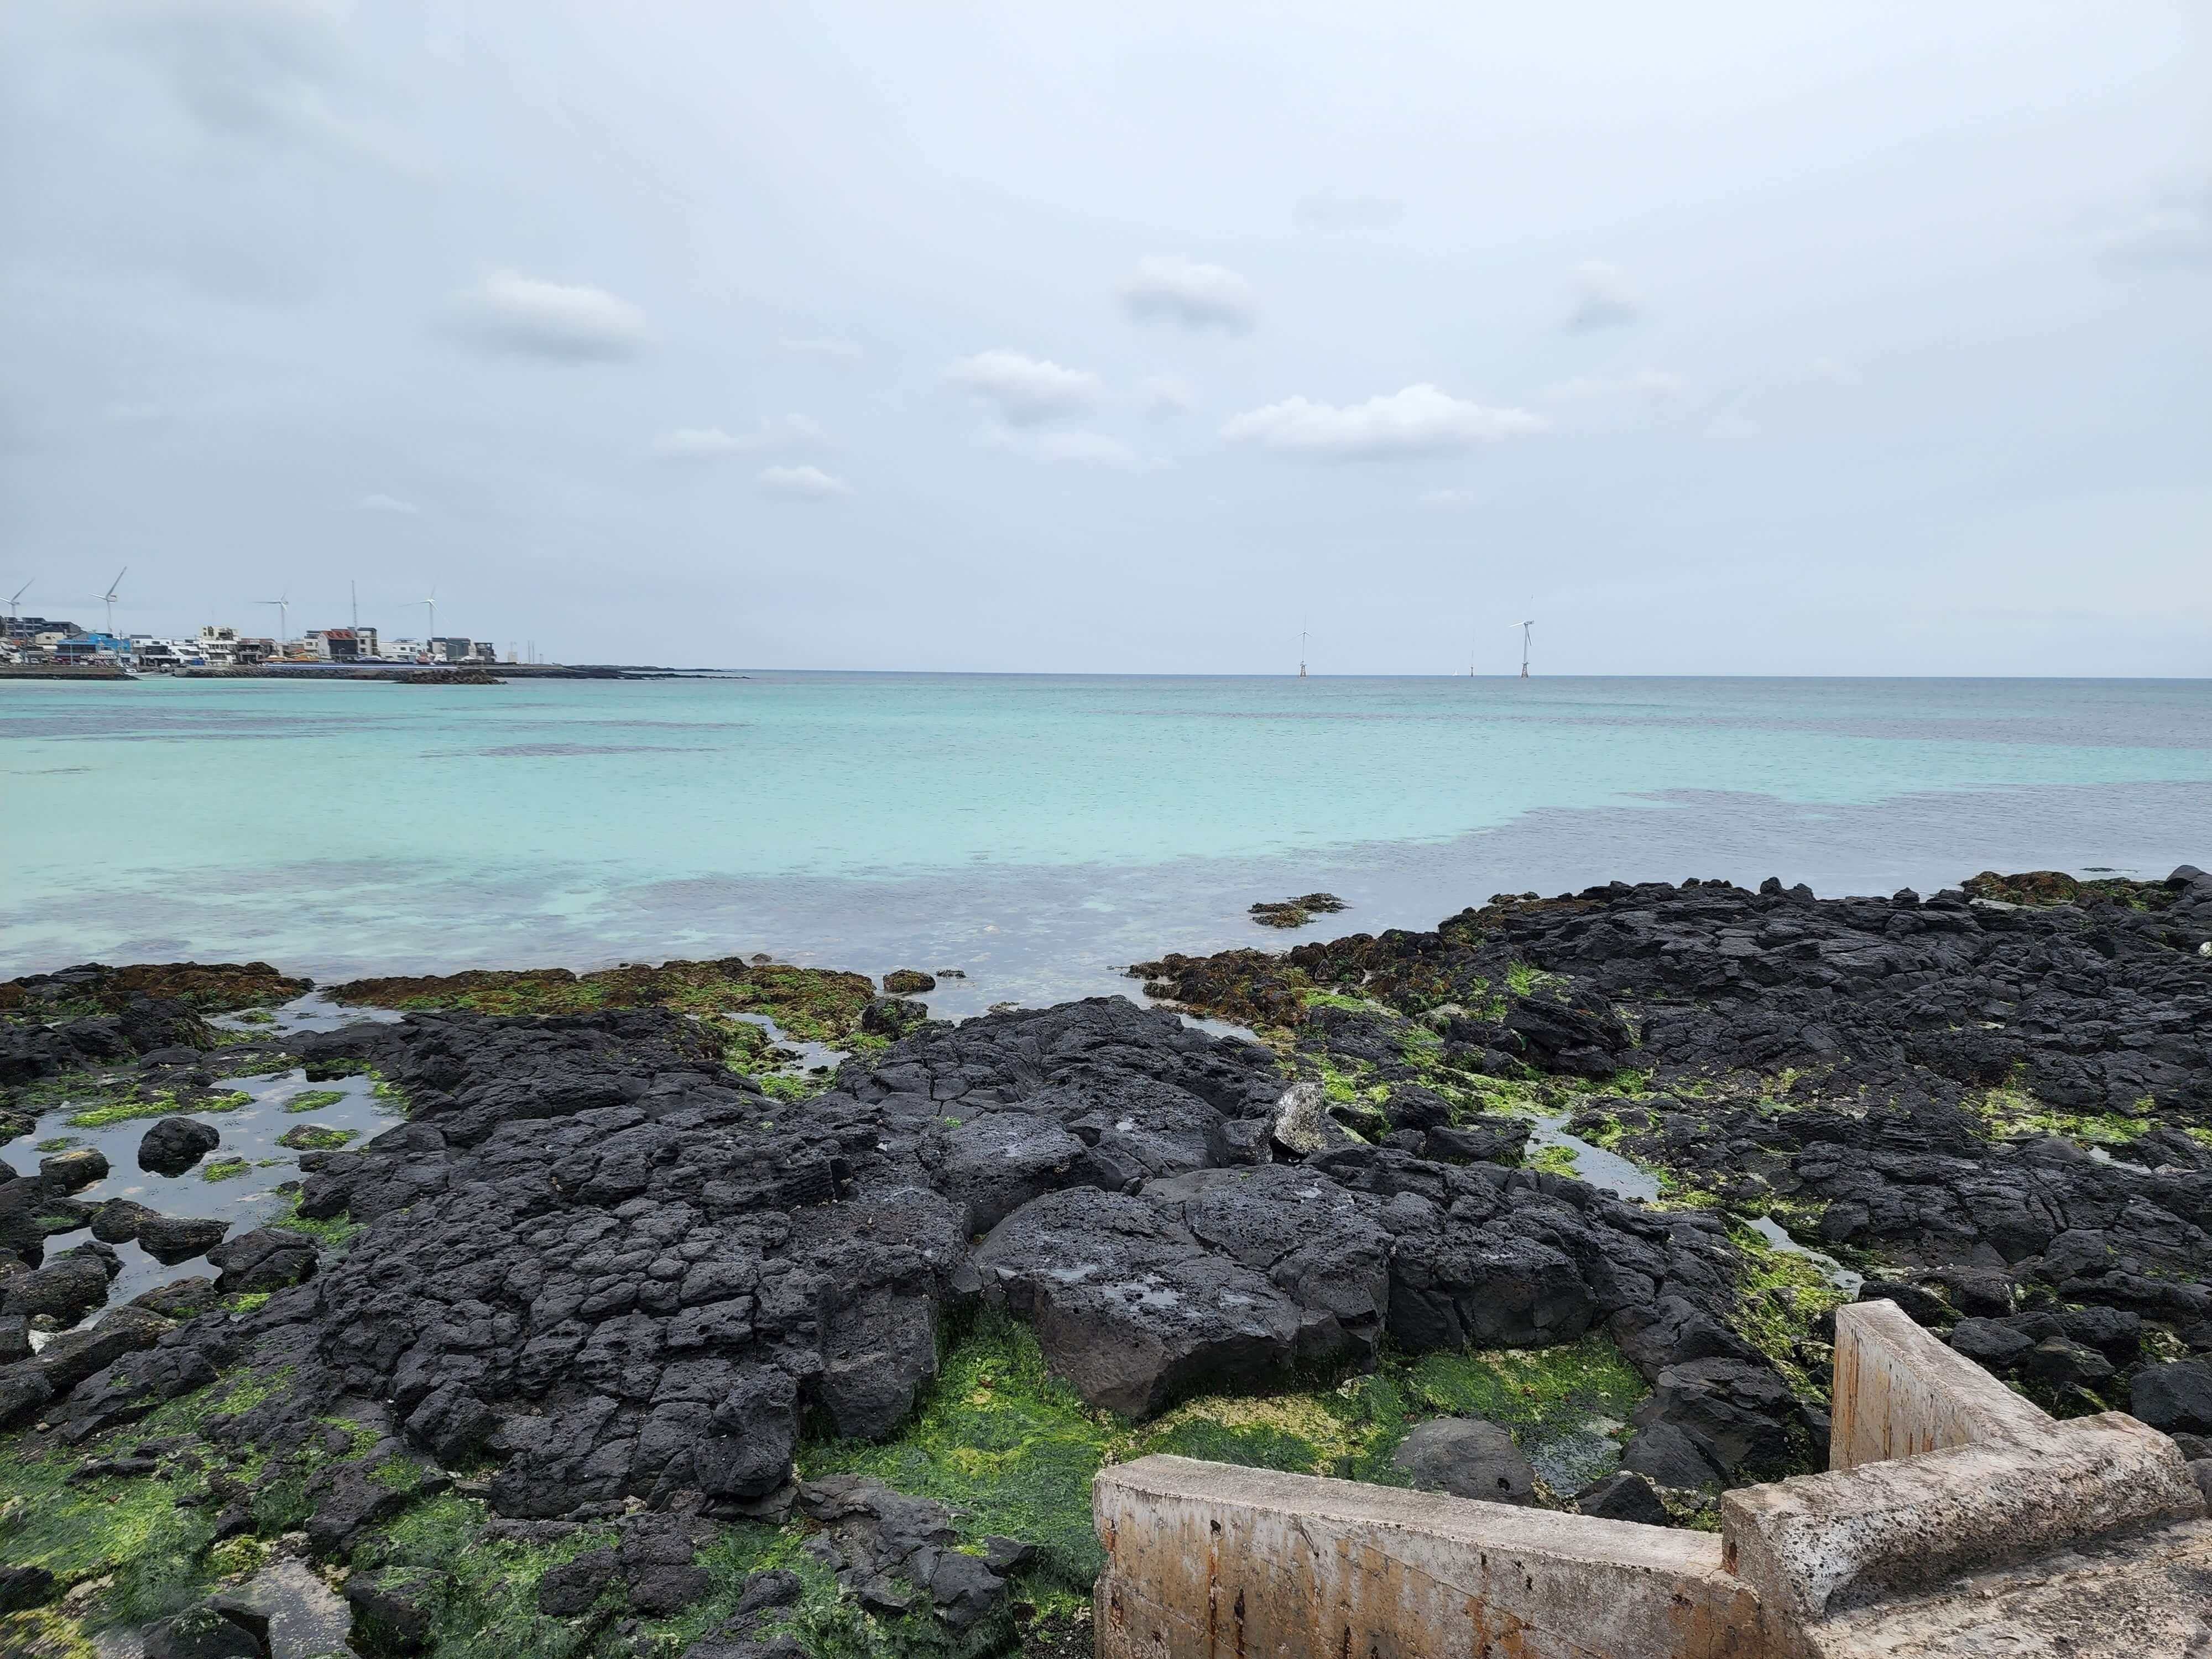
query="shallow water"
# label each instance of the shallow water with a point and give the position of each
(1038, 832)
(246, 1199)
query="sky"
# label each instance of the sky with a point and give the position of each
(1140, 339)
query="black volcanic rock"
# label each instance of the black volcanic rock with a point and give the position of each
(173, 1144)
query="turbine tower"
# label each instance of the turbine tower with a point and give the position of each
(1526, 627)
(14, 600)
(431, 604)
(1302, 654)
(108, 598)
(283, 617)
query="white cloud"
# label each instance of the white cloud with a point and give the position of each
(1637, 383)
(1198, 296)
(841, 352)
(803, 483)
(1165, 394)
(1420, 420)
(1445, 498)
(573, 323)
(1602, 298)
(711, 442)
(389, 506)
(1027, 390)
(1095, 447)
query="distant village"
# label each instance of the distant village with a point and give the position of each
(36, 642)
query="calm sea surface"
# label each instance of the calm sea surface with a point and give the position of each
(1035, 831)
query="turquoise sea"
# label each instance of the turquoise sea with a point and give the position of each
(1038, 832)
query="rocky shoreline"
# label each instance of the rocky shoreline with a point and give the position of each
(633, 1337)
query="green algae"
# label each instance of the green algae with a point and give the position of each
(1781, 1298)
(2011, 1110)
(314, 1100)
(225, 1168)
(155, 1103)
(817, 1004)
(315, 1138)
(1553, 1160)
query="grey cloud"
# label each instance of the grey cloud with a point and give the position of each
(274, 69)
(388, 505)
(1602, 298)
(1183, 291)
(1024, 390)
(1420, 420)
(573, 324)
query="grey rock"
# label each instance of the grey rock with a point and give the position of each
(1467, 1457)
(1623, 1495)
(172, 1239)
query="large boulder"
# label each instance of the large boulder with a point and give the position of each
(116, 1221)
(67, 1288)
(69, 1172)
(173, 1144)
(2176, 1397)
(170, 1239)
(997, 1162)
(1133, 1310)
(1737, 1414)
(1467, 1457)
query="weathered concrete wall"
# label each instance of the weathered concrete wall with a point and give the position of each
(1900, 1392)
(1958, 1518)
(1207, 1561)
(1820, 1543)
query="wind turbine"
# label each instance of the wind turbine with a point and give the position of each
(1526, 627)
(1302, 654)
(14, 600)
(108, 598)
(283, 617)
(431, 604)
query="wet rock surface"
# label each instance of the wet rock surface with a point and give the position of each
(1996, 1101)
(611, 1284)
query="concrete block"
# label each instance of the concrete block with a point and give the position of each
(1818, 1544)
(2136, 1598)
(1901, 1391)
(1207, 1561)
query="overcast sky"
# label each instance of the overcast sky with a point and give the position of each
(1737, 338)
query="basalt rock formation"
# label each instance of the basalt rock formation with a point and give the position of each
(2000, 1107)
(609, 1281)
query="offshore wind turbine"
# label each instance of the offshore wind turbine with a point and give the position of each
(108, 598)
(1526, 627)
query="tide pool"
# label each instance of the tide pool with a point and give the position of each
(1036, 831)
